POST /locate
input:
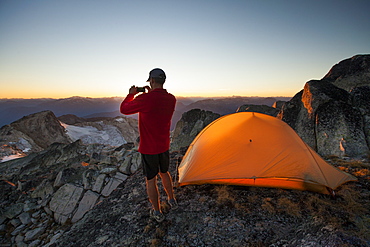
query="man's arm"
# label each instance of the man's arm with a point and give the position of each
(130, 105)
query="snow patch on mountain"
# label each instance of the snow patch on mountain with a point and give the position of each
(120, 120)
(11, 157)
(22, 144)
(108, 135)
(14, 150)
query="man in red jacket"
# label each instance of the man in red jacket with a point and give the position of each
(155, 110)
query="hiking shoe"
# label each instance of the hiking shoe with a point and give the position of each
(173, 204)
(158, 216)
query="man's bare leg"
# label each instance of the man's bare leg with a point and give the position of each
(167, 184)
(153, 194)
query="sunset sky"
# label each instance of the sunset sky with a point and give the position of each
(59, 49)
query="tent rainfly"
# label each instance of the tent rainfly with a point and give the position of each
(254, 149)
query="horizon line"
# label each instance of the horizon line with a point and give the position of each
(177, 96)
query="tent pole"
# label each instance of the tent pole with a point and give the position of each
(175, 182)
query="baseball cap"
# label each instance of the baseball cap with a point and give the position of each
(157, 73)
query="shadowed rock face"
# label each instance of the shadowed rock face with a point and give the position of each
(325, 117)
(339, 130)
(272, 111)
(332, 115)
(350, 73)
(189, 126)
(34, 132)
(43, 127)
(300, 112)
(360, 98)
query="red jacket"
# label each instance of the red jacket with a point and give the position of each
(155, 112)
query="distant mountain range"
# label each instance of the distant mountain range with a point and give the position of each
(14, 109)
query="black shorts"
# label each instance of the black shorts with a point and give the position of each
(153, 163)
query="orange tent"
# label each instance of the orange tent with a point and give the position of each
(255, 149)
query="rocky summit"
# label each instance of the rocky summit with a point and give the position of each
(80, 183)
(333, 118)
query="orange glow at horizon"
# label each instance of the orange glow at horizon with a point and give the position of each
(34, 90)
(56, 95)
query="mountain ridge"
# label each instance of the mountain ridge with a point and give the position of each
(85, 107)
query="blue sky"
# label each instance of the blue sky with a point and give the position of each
(100, 48)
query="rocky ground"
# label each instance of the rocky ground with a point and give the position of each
(214, 215)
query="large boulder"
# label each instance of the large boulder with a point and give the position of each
(278, 104)
(189, 126)
(300, 112)
(350, 73)
(339, 130)
(272, 111)
(361, 101)
(332, 115)
(64, 202)
(291, 109)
